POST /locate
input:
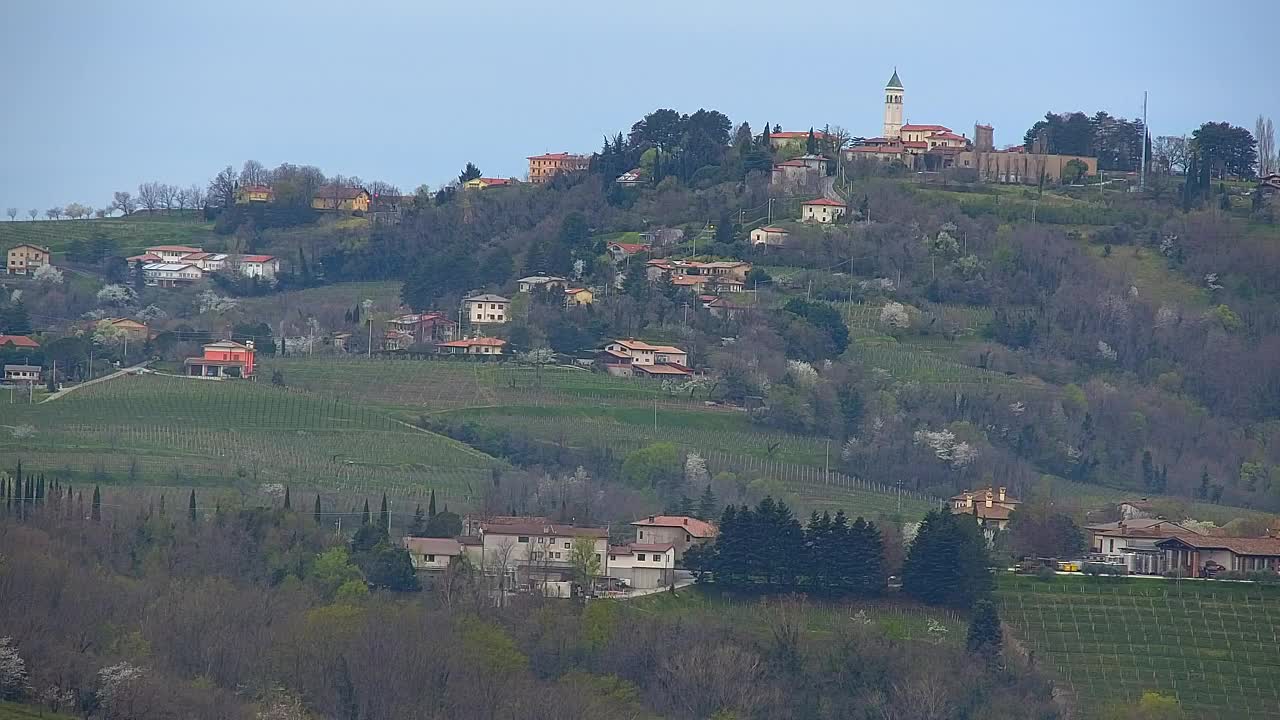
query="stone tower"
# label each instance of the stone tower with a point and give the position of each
(893, 93)
(983, 138)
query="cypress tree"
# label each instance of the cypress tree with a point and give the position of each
(811, 144)
(316, 512)
(431, 505)
(419, 526)
(707, 503)
(364, 516)
(986, 639)
(867, 559)
(162, 505)
(287, 504)
(384, 515)
(191, 506)
(96, 510)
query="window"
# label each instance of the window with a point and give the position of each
(1113, 545)
(523, 538)
(613, 558)
(429, 558)
(640, 557)
(566, 546)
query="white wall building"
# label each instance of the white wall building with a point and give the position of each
(643, 566)
(487, 309)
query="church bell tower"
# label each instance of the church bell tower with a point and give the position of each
(893, 93)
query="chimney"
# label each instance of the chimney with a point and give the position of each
(650, 518)
(968, 499)
(1002, 494)
(988, 499)
(686, 521)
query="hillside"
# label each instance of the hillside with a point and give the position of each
(1210, 644)
(129, 234)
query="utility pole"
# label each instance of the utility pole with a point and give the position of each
(389, 504)
(368, 351)
(1142, 182)
(899, 484)
(826, 474)
(655, 417)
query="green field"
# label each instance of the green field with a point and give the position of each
(1212, 644)
(131, 234)
(13, 711)
(178, 431)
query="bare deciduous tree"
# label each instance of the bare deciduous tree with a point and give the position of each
(195, 198)
(1170, 153)
(53, 213)
(167, 195)
(149, 196)
(124, 202)
(1265, 134)
(12, 213)
(222, 189)
(33, 213)
(253, 173)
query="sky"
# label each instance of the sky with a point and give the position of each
(101, 96)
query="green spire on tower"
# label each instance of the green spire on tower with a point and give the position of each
(894, 82)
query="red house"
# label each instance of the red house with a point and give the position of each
(223, 359)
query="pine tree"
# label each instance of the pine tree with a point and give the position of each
(985, 636)
(96, 511)
(1148, 471)
(288, 504)
(419, 526)
(431, 505)
(817, 564)
(364, 516)
(316, 512)
(161, 505)
(947, 563)
(191, 507)
(811, 144)
(686, 506)
(384, 516)
(1202, 492)
(707, 503)
(866, 552)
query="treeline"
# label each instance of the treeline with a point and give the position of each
(258, 613)
(765, 548)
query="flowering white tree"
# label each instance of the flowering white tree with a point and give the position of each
(281, 704)
(210, 301)
(151, 313)
(13, 671)
(956, 453)
(116, 295)
(802, 373)
(105, 334)
(1106, 352)
(695, 470)
(894, 314)
(538, 356)
(116, 684)
(48, 275)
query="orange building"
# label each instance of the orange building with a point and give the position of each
(544, 167)
(223, 359)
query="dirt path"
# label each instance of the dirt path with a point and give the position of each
(104, 378)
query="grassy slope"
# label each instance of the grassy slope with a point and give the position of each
(131, 234)
(1212, 644)
(157, 430)
(14, 711)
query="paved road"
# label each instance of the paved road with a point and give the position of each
(104, 378)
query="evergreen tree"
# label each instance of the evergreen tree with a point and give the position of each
(686, 506)
(139, 277)
(96, 509)
(162, 505)
(384, 515)
(1202, 492)
(947, 563)
(315, 513)
(819, 552)
(811, 144)
(191, 507)
(431, 505)
(1148, 471)
(866, 551)
(986, 639)
(419, 526)
(707, 503)
(444, 524)
(288, 505)
(364, 516)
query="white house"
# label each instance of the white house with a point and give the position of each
(532, 552)
(643, 566)
(171, 274)
(679, 531)
(172, 253)
(773, 236)
(22, 373)
(259, 266)
(487, 309)
(642, 353)
(541, 282)
(431, 554)
(822, 210)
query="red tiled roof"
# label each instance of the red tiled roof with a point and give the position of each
(257, 258)
(774, 229)
(432, 546)
(144, 257)
(537, 528)
(495, 181)
(630, 248)
(663, 369)
(1237, 545)
(18, 341)
(915, 144)
(473, 342)
(791, 163)
(879, 149)
(693, 526)
(173, 249)
(923, 128)
(557, 156)
(824, 201)
(329, 192)
(948, 135)
(256, 188)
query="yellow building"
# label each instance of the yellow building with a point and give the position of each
(482, 183)
(544, 167)
(341, 199)
(578, 296)
(254, 194)
(25, 259)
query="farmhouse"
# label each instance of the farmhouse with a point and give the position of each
(340, 199)
(621, 251)
(822, 210)
(631, 178)
(679, 531)
(25, 259)
(248, 194)
(422, 328)
(991, 507)
(483, 183)
(134, 329)
(1203, 555)
(22, 373)
(643, 566)
(541, 282)
(486, 309)
(772, 236)
(472, 346)
(18, 341)
(1134, 542)
(532, 552)
(576, 296)
(259, 266)
(431, 554)
(224, 358)
(636, 358)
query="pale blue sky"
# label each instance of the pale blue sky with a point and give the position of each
(99, 96)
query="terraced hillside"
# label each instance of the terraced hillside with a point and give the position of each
(130, 234)
(1211, 644)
